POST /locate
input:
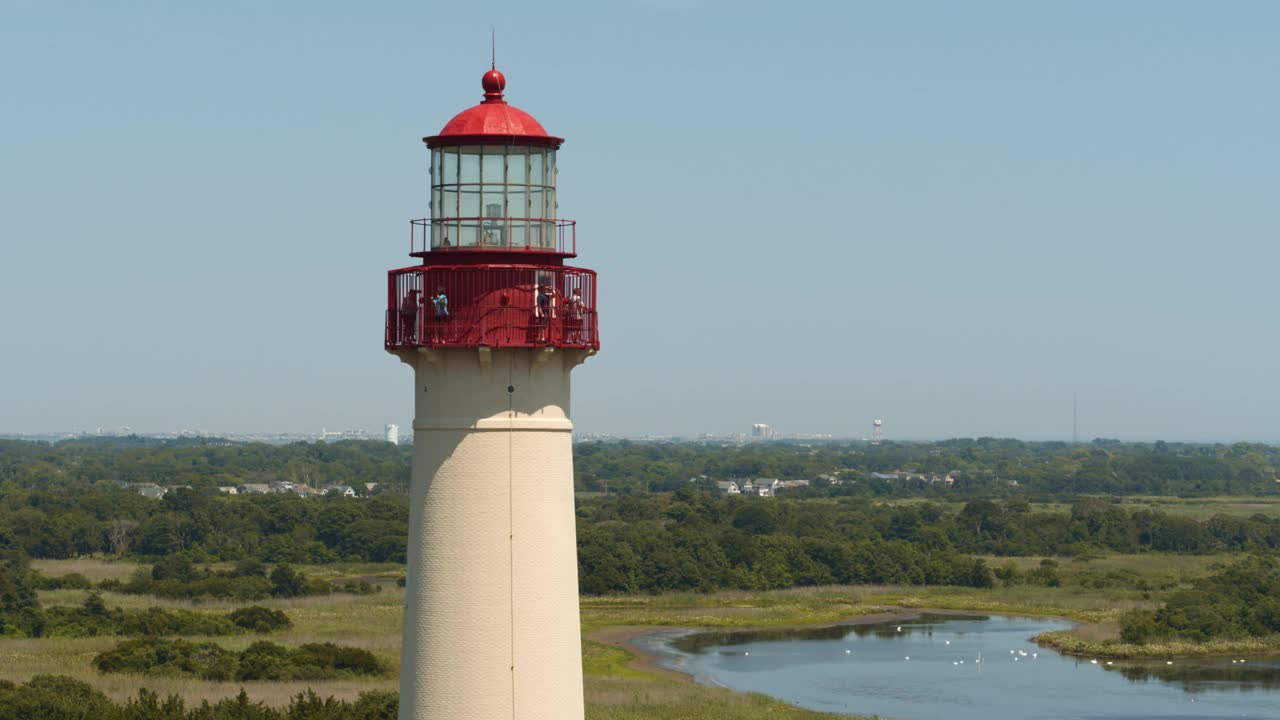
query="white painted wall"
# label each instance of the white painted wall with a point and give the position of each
(491, 626)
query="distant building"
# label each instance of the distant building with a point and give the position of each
(148, 490)
(343, 490)
(393, 434)
(255, 489)
(728, 486)
(769, 484)
(228, 490)
(761, 431)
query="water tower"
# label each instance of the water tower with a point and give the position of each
(877, 427)
(492, 320)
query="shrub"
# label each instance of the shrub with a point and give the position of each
(260, 620)
(287, 582)
(260, 661)
(54, 697)
(70, 581)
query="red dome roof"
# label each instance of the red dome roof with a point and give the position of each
(493, 120)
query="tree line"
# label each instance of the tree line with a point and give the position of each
(699, 541)
(983, 467)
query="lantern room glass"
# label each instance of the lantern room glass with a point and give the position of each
(493, 196)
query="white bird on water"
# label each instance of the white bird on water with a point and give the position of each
(948, 642)
(907, 657)
(899, 628)
(1095, 662)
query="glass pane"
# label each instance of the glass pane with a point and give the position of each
(551, 168)
(435, 167)
(550, 195)
(517, 201)
(435, 202)
(517, 166)
(535, 202)
(470, 171)
(495, 230)
(492, 171)
(450, 207)
(470, 201)
(469, 233)
(450, 230)
(535, 166)
(518, 234)
(437, 232)
(449, 174)
(548, 236)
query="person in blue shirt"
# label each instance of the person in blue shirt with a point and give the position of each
(440, 312)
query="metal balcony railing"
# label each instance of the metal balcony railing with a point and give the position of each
(491, 305)
(507, 234)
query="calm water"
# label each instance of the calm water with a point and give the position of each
(961, 668)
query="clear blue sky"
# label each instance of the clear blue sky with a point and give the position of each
(949, 215)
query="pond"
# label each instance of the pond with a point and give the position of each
(949, 667)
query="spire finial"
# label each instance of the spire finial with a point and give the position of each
(493, 49)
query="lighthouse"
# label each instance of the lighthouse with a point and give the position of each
(492, 319)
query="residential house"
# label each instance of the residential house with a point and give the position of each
(148, 490)
(728, 486)
(771, 484)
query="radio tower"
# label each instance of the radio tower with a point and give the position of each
(876, 426)
(492, 320)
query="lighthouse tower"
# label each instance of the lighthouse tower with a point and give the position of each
(492, 320)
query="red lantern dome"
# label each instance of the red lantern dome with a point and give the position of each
(493, 120)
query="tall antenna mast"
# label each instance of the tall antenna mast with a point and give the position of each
(493, 49)
(1075, 438)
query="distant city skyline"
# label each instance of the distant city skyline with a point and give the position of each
(952, 216)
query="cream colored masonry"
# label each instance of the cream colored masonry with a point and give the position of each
(491, 629)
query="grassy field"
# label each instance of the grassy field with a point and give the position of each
(1207, 507)
(616, 688)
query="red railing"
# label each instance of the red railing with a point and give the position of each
(547, 235)
(491, 305)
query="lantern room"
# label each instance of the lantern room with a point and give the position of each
(493, 180)
(492, 250)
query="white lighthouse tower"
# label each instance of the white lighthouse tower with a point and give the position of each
(492, 321)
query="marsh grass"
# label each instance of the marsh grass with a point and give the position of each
(615, 689)
(1072, 643)
(626, 698)
(96, 569)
